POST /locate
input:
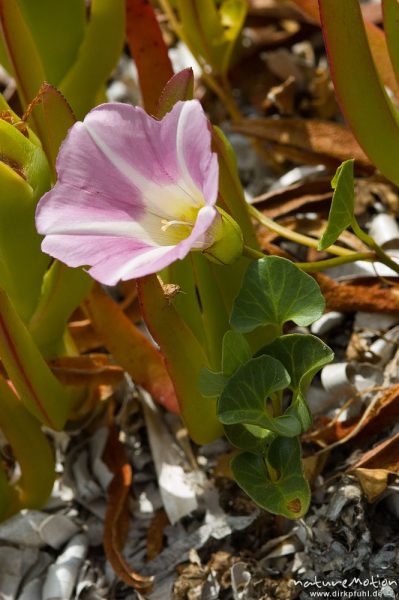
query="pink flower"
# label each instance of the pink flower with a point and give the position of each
(133, 194)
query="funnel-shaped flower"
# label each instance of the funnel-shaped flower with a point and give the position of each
(133, 194)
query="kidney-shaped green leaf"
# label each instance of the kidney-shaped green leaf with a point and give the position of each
(274, 291)
(276, 483)
(244, 398)
(302, 356)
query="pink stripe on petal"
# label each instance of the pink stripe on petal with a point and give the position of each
(87, 250)
(65, 204)
(174, 151)
(83, 166)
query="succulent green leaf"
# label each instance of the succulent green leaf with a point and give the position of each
(57, 118)
(232, 15)
(179, 87)
(97, 56)
(57, 29)
(184, 358)
(364, 101)
(274, 291)
(390, 10)
(276, 483)
(22, 52)
(231, 193)
(24, 177)
(211, 33)
(246, 394)
(63, 290)
(236, 352)
(31, 449)
(36, 385)
(342, 206)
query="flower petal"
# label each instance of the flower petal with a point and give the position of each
(173, 155)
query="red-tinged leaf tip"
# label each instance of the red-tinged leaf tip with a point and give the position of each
(179, 87)
(148, 50)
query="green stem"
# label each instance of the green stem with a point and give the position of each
(222, 91)
(320, 265)
(367, 239)
(294, 236)
(252, 253)
(277, 399)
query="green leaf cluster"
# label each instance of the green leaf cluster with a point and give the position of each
(262, 398)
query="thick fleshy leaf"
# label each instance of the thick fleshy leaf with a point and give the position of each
(31, 450)
(362, 97)
(57, 29)
(179, 87)
(274, 291)
(211, 384)
(184, 359)
(235, 352)
(376, 38)
(63, 289)
(149, 52)
(276, 483)
(244, 398)
(24, 177)
(211, 33)
(98, 54)
(56, 116)
(342, 206)
(231, 193)
(391, 19)
(23, 54)
(37, 387)
(130, 213)
(130, 348)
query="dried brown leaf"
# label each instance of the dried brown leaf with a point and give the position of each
(307, 137)
(116, 516)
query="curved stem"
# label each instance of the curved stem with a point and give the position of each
(294, 236)
(367, 239)
(320, 265)
(252, 253)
